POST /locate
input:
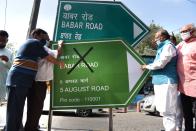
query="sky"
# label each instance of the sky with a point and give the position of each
(170, 14)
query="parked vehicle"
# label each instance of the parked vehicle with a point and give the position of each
(147, 104)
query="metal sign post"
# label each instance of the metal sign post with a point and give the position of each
(110, 119)
(34, 16)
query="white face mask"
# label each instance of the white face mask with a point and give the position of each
(2, 45)
(185, 35)
(47, 43)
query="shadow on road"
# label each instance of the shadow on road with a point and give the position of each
(73, 114)
(153, 114)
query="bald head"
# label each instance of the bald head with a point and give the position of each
(187, 28)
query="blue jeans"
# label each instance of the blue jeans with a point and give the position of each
(15, 107)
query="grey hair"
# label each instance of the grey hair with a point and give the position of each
(165, 33)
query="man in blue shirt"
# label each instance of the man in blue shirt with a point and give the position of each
(22, 74)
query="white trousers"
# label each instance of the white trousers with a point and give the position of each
(166, 103)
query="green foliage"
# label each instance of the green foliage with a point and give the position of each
(178, 38)
(145, 46)
(11, 47)
(146, 43)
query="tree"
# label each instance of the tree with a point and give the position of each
(146, 43)
(178, 38)
(11, 47)
(145, 48)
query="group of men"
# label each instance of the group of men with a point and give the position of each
(31, 71)
(174, 69)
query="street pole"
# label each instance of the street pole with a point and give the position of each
(34, 16)
(110, 119)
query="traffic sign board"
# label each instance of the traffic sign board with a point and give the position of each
(92, 20)
(97, 74)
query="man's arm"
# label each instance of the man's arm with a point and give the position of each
(55, 61)
(166, 55)
(60, 47)
(6, 61)
(4, 58)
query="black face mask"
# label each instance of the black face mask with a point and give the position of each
(43, 42)
(2, 46)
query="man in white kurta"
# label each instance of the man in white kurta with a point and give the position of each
(165, 79)
(6, 58)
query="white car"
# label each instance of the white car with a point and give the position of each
(147, 104)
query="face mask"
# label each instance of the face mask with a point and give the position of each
(43, 42)
(2, 45)
(185, 35)
(47, 43)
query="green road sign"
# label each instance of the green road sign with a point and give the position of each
(92, 20)
(97, 74)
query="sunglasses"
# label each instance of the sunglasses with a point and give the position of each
(184, 31)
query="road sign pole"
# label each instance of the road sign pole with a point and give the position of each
(34, 16)
(110, 119)
(50, 119)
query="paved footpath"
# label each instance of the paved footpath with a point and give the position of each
(131, 121)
